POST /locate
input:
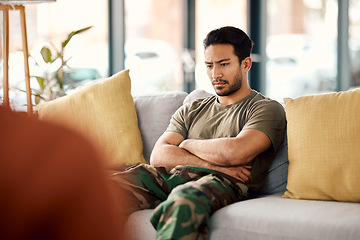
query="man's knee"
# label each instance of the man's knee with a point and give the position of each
(185, 213)
(188, 203)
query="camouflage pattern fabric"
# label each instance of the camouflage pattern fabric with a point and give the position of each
(183, 197)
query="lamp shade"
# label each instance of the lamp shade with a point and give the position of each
(22, 2)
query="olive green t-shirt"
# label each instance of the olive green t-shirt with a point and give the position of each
(207, 119)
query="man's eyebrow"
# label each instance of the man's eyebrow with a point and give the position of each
(220, 61)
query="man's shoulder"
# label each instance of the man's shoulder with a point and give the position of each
(199, 102)
(192, 108)
(261, 101)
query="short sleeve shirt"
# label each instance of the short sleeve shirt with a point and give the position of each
(207, 119)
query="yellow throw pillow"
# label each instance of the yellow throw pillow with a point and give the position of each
(105, 112)
(324, 146)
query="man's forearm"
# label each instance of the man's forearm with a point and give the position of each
(172, 150)
(215, 151)
(171, 156)
(231, 151)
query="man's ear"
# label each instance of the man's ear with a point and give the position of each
(246, 64)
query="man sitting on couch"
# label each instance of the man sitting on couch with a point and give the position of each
(216, 150)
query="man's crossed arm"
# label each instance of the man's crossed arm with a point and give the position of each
(227, 155)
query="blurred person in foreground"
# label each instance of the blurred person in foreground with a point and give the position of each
(215, 151)
(53, 184)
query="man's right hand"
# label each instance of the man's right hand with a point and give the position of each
(239, 172)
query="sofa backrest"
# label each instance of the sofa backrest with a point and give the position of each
(276, 180)
(154, 113)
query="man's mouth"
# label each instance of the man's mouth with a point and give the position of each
(219, 83)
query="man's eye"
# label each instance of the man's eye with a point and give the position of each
(224, 64)
(208, 66)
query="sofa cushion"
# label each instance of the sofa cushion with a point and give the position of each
(105, 113)
(154, 113)
(273, 217)
(323, 142)
(270, 217)
(139, 227)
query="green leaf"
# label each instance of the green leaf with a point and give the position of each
(46, 54)
(73, 33)
(41, 81)
(37, 99)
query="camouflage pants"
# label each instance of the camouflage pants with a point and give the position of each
(183, 197)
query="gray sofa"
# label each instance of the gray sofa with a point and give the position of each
(267, 216)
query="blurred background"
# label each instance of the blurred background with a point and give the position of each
(301, 46)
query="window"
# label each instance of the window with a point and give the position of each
(301, 47)
(209, 15)
(354, 42)
(48, 24)
(301, 42)
(154, 45)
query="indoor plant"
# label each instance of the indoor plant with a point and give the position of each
(51, 82)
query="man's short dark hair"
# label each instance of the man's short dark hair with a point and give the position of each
(231, 35)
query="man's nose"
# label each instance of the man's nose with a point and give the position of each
(216, 73)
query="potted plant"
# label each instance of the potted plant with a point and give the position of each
(51, 82)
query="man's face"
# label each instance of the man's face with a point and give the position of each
(223, 69)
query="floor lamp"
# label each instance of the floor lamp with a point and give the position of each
(5, 7)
